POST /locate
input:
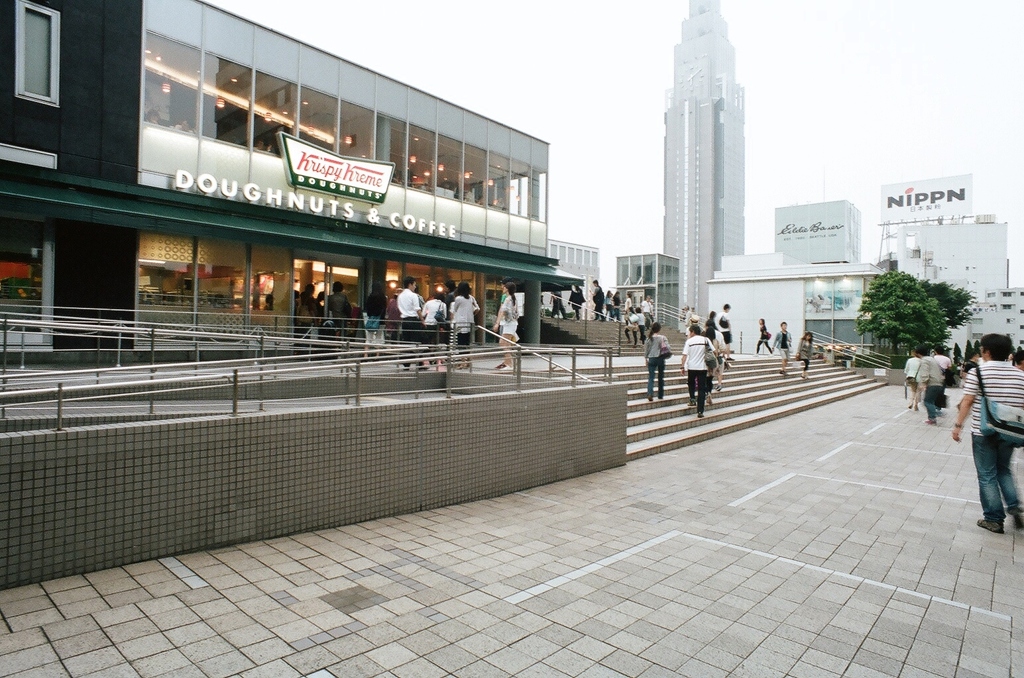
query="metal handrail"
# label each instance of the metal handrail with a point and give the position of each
(859, 352)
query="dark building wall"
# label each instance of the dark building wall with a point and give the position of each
(95, 130)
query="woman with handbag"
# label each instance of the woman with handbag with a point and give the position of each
(507, 324)
(374, 309)
(764, 336)
(656, 352)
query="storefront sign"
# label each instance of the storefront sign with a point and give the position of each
(819, 232)
(312, 167)
(207, 184)
(949, 196)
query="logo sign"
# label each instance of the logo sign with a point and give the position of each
(949, 196)
(313, 168)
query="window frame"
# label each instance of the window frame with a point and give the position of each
(21, 7)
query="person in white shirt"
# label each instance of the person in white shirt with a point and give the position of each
(725, 325)
(946, 365)
(434, 332)
(1004, 384)
(910, 371)
(464, 310)
(695, 368)
(409, 308)
(647, 309)
(507, 323)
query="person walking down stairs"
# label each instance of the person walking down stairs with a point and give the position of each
(804, 352)
(783, 342)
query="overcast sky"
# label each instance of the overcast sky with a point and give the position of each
(841, 97)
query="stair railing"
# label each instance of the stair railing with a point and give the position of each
(846, 352)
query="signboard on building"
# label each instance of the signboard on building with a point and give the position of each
(914, 200)
(824, 232)
(313, 168)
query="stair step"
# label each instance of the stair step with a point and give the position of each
(710, 428)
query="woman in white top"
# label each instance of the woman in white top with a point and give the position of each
(430, 313)
(464, 310)
(910, 371)
(507, 323)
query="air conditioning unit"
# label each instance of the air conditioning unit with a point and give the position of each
(985, 219)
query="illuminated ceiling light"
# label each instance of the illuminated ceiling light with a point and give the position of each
(149, 51)
(234, 79)
(350, 140)
(412, 159)
(268, 116)
(439, 288)
(305, 103)
(440, 167)
(426, 174)
(165, 88)
(159, 58)
(490, 182)
(220, 102)
(468, 174)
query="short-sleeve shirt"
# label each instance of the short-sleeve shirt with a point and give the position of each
(409, 304)
(694, 350)
(1004, 384)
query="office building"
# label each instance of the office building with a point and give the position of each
(704, 153)
(819, 233)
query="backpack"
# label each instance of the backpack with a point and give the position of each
(710, 359)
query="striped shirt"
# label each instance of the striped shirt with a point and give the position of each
(1004, 384)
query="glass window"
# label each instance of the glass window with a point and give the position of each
(474, 175)
(421, 158)
(449, 167)
(37, 34)
(318, 119)
(221, 274)
(391, 145)
(172, 83)
(497, 182)
(356, 131)
(270, 286)
(519, 192)
(21, 265)
(538, 195)
(165, 277)
(227, 89)
(274, 112)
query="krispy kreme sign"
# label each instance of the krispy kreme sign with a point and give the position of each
(313, 168)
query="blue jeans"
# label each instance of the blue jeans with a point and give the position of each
(656, 365)
(992, 460)
(931, 394)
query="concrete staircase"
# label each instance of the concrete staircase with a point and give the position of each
(561, 332)
(753, 393)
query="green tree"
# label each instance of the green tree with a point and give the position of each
(955, 302)
(958, 355)
(897, 309)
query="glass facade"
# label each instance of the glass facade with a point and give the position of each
(227, 86)
(650, 275)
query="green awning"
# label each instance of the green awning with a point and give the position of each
(48, 193)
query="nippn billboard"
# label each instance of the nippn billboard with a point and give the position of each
(913, 200)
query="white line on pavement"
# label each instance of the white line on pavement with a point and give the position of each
(517, 598)
(833, 452)
(908, 449)
(531, 496)
(901, 414)
(872, 430)
(888, 487)
(844, 575)
(763, 488)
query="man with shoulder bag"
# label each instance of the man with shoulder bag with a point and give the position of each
(994, 400)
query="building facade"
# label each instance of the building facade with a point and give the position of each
(583, 261)
(650, 275)
(1000, 311)
(166, 161)
(704, 153)
(819, 233)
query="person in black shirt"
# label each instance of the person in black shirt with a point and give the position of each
(598, 302)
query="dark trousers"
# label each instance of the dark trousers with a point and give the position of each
(656, 367)
(766, 345)
(696, 383)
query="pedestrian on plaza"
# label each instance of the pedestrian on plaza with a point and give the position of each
(717, 374)
(374, 310)
(616, 306)
(557, 307)
(997, 380)
(305, 312)
(656, 351)
(783, 342)
(507, 324)
(948, 380)
(632, 330)
(464, 312)
(609, 306)
(764, 336)
(910, 372)
(598, 299)
(576, 302)
(410, 310)
(726, 326)
(970, 363)
(339, 308)
(695, 369)
(432, 311)
(393, 319)
(929, 377)
(805, 351)
(647, 309)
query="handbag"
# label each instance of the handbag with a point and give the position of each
(1004, 421)
(372, 323)
(666, 350)
(710, 359)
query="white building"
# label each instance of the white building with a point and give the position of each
(823, 298)
(1000, 312)
(704, 153)
(968, 252)
(819, 233)
(581, 260)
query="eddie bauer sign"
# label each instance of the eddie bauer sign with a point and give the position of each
(311, 168)
(792, 229)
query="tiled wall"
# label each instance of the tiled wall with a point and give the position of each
(89, 498)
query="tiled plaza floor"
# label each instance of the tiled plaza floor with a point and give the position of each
(837, 542)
